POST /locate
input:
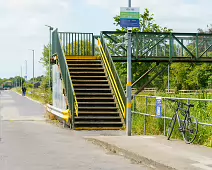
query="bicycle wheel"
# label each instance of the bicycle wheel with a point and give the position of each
(171, 126)
(190, 129)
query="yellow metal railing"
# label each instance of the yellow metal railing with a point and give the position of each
(76, 105)
(75, 99)
(112, 78)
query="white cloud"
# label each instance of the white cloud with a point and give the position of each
(22, 28)
(22, 23)
(181, 15)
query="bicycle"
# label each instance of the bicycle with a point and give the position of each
(189, 124)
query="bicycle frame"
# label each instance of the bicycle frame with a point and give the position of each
(182, 122)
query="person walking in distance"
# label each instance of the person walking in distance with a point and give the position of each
(24, 91)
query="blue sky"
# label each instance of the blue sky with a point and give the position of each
(22, 23)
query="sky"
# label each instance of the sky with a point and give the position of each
(23, 24)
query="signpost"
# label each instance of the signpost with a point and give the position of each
(158, 107)
(129, 18)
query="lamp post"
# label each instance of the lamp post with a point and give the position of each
(26, 71)
(21, 78)
(50, 53)
(33, 63)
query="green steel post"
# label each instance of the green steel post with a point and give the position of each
(206, 49)
(182, 47)
(170, 46)
(93, 45)
(197, 46)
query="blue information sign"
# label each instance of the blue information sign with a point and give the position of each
(158, 107)
(129, 17)
(129, 23)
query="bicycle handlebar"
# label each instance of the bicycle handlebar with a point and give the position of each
(174, 100)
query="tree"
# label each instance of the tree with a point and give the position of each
(193, 76)
(45, 62)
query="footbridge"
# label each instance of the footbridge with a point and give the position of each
(86, 80)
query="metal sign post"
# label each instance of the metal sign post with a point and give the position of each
(129, 18)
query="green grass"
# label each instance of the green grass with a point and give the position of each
(42, 95)
(154, 126)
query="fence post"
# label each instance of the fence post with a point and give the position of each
(145, 115)
(134, 105)
(164, 117)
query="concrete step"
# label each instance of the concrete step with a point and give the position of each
(87, 68)
(97, 117)
(95, 99)
(88, 77)
(100, 123)
(90, 81)
(98, 113)
(98, 128)
(82, 65)
(99, 109)
(96, 104)
(92, 90)
(84, 62)
(86, 73)
(81, 94)
(91, 85)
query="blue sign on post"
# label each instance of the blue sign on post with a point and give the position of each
(129, 17)
(158, 107)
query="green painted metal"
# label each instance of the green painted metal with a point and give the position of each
(58, 50)
(161, 47)
(113, 69)
(197, 46)
(77, 44)
(157, 69)
(144, 75)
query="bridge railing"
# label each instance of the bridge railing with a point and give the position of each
(146, 107)
(152, 46)
(69, 90)
(77, 44)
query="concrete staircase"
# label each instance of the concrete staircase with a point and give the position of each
(97, 106)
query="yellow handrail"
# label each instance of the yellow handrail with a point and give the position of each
(76, 103)
(113, 82)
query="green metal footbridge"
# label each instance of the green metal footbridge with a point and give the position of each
(95, 97)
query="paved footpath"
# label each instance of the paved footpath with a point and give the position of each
(37, 145)
(158, 151)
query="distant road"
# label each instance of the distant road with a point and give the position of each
(17, 107)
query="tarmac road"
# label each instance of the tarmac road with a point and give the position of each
(38, 145)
